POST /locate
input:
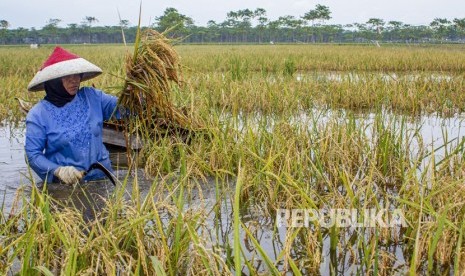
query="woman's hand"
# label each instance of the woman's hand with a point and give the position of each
(69, 174)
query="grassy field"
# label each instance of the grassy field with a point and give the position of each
(289, 127)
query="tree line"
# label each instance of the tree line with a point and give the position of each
(244, 26)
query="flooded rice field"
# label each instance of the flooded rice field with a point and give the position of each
(316, 159)
(431, 132)
(374, 76)
(434, 131)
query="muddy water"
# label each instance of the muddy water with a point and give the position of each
(17, 176)
(13, 169)
(386, 77)
(15, 173)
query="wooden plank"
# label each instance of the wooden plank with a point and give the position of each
(116, 138)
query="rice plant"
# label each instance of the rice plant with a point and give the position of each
(314, 139)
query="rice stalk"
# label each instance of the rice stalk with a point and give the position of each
(151, 74)
(237, 225)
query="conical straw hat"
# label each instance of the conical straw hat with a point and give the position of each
(62, 63)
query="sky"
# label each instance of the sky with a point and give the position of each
(36, 13)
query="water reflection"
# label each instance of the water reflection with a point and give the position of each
(91, 198)
(331, 76)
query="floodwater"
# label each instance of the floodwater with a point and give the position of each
(435, 132)
(13, 167)
(332, 76)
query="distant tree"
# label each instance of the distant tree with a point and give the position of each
(228, 30)
(441, 28)
(232, 15)
(409, 33)
(332, 33)
(4, 25)
(213, 30)
(241, 20)
(51, 29)
(87, 22)
(34, 35)
(245, 25)
(90, 20)
(460, 23)
(290, 24)
(362, 32)
(394, 27)
(212, 23)
(376, 26)
(321, 13)
(123, 23)
(348, 32)
(460, 26)
(273, 28)
(260, 14)
(75, 33)
(20, 35)
(312, 15)
(246, 16)
(53, 22)
(324, 13)
(176, 22)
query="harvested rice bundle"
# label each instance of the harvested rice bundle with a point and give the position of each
(150, 74)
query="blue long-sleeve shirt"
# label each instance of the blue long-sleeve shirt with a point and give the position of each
(70, 135)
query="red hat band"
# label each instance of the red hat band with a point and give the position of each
(58, 55)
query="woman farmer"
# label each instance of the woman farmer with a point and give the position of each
(64, 130)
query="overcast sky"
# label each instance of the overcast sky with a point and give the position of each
(36, 13)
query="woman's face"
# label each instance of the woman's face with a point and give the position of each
(71, 83)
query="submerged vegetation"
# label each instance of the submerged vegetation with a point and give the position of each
(290, 127)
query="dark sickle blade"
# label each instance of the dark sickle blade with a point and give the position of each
(99, 166)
